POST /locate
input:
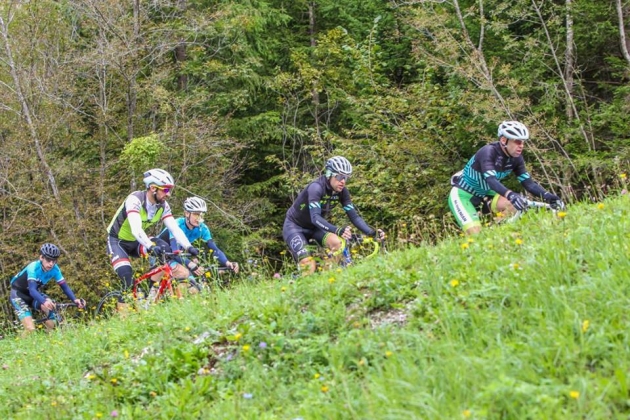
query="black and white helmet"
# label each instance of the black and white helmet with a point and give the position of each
(195, 205)
(513, 130)
(339, 165)
(50, 251)
(158, 177)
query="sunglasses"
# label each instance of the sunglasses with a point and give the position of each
(50, 260)
(342, 177)
(166, 190)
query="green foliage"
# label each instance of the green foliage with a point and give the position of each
(142, 153)
(539, 313)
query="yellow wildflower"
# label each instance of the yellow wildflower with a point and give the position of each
(623, 176)
(466, 413)
(317, 375)
(238, 336)
(454, 283)
(325, 388)
(585, 325)
(519, 241)
(562, 214)
(574, 394)
(246, 347)
(389, 353)
(331, 280)
(464, 246)
(601, 206)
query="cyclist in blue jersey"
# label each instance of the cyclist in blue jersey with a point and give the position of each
(194, 228)
(306, 218)
(140, 210)
(26, 288)
(478, 186)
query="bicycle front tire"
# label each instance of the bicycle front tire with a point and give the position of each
(108, 305)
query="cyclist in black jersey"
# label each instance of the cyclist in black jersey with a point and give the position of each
(478, 186)
(306, 218)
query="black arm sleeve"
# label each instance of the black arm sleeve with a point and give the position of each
(496, 185)
(353, 215)
(315, 194)
(533, 188)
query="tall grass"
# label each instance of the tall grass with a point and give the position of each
(527, 320)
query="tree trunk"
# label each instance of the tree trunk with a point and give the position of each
(180, 54)
(622, 32)
(569, 58)
(314, 91)
(26, 110)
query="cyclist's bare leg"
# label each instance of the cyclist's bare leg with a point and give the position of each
(501, 208)
(49, 323)
(473, 230)
(307, 266)
(334, 243)
(29, 325)
(182, 273)
(504, 206)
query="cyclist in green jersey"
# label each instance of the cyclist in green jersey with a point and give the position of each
(140, 210)
(478, 186)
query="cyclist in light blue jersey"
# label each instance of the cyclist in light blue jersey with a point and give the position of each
(194, 228)
(478, 186)
(26, 288)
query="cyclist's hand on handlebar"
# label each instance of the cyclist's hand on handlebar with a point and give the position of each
(345, 232)
(80, 303)
(195, 268)
(554, 201)
(192, 251)
(157, 251)
(517, 200)
(232, 266)
(379, 235)
(49, 305)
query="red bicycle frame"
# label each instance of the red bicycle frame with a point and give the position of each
(165, 282)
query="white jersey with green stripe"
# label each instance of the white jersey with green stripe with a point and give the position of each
(149, 213)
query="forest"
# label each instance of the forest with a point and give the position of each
(243, 102)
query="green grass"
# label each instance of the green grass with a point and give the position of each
(527, 320)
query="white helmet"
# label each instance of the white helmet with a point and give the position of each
(195, 205)
(513, 130)
(339, 165)
(158, 177)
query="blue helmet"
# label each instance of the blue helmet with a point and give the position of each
(50, 251)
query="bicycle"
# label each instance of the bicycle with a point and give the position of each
(358, 248)
(213, 273)
(109, 304)
(63, 314)
(536, 206)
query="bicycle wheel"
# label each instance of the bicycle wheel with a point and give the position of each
(70, 315)
(364, 248)
(188, 287)
(108, 306)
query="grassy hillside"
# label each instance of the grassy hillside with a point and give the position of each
(528, 320)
